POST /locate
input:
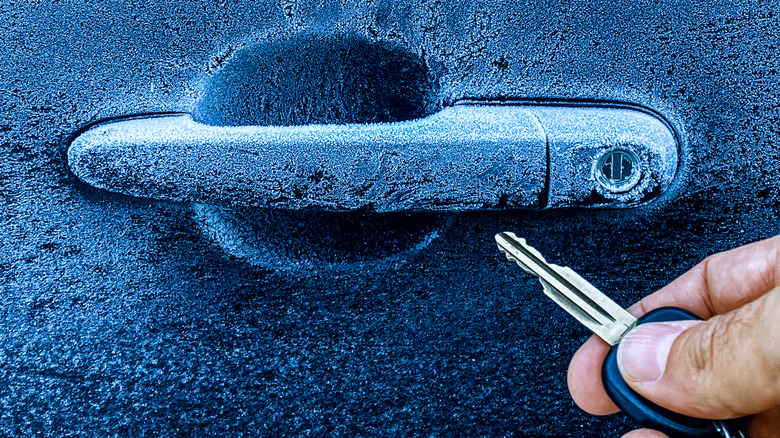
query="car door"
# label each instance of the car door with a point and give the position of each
(164, 304)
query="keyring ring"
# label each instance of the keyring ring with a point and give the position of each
(741, 430)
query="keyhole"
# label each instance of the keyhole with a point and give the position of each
(618, 170)
(617, 167)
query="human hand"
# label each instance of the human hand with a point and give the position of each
(726, 366)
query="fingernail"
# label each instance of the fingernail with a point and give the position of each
(643, 353)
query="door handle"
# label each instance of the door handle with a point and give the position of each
(465, 157)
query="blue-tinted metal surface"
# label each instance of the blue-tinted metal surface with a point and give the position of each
(120, 316)
(461, 158)
(465, 157)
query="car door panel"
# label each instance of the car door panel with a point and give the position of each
(132, 316)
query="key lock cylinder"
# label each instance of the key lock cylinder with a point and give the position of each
(356, 160)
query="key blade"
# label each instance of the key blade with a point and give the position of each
(575, 294)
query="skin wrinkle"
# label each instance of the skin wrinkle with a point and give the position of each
(772, 273)
(773, 354)
(703, 352)
(642, 307)
(767, 366)
(742, 324)
(761, 271)
(727, 339)
(704, 291)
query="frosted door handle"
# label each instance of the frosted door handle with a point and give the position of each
(464, 157)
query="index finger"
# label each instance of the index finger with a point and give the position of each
(721, 282)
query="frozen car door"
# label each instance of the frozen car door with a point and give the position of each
(126, 312)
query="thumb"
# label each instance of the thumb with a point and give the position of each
(725, 367)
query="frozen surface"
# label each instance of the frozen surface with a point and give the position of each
(461, 158)
(577, 138)
(119, 317)
(465, 157)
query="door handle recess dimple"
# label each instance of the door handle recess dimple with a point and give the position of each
(465, 157)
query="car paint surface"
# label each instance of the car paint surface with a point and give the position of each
(123, 316)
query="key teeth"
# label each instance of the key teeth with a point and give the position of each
(532, 250)
(512, 258)
(569, 290)
(512, 236)
(509, 256)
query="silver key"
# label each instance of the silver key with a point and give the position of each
(572, 292)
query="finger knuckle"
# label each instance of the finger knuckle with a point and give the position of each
(723, 354)
(713, 344)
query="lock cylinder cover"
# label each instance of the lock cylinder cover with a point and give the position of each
(611, 156)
